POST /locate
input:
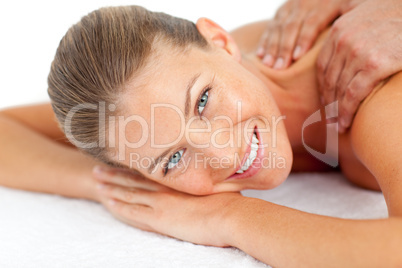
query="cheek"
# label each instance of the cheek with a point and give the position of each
(277, 161)
(194, 182)
(244, 99)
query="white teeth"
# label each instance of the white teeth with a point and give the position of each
(246, 165)
(255, 140)
(252, 155)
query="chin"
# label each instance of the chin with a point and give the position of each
(281, 160)
(272, 181)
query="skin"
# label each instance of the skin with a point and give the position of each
(223, 218)
(361, 49)
(294, 29)
(167, 87)
(232, 74)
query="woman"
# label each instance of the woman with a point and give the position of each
(121, 70)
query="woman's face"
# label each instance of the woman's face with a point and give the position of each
(193, 118)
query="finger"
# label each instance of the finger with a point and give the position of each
(111, 208)
(284, 10)
(138, 225)
(310, 28)
(132, 214)
(373, 70)
(322, 63)
(356, 91)
(271, 48)
(349, 71)
(287, 43)
(126, 179)
(128, 195)
(331, 75)
(349, 102)
(264, 40)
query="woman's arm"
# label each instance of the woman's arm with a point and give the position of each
(36, 156)
(274, 234)
(285, 237)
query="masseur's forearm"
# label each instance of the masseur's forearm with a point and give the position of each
(285, 237)
(33, 162)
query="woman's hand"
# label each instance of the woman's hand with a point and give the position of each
(150, 206)
(294, 29)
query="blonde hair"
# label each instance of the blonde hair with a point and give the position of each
(98, 55)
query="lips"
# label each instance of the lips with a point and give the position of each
(254, 166)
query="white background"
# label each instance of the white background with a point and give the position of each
(30, 31)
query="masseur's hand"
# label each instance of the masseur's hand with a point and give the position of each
(364, 47)
(150, 206)
(294, 29)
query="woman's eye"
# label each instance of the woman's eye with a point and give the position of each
(203, 101)
(174, 159)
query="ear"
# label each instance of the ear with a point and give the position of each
(218, 37)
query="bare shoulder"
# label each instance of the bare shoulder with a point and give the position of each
(379, 113)
(248, 35)
(377, 141)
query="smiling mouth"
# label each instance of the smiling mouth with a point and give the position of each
(252, 156)
(250, 167)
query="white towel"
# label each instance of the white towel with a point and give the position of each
(42, 230)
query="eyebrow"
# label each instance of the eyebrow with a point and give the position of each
(187, 105)
(156, 162)
(188, 94)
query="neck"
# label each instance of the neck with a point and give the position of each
(294, 90)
